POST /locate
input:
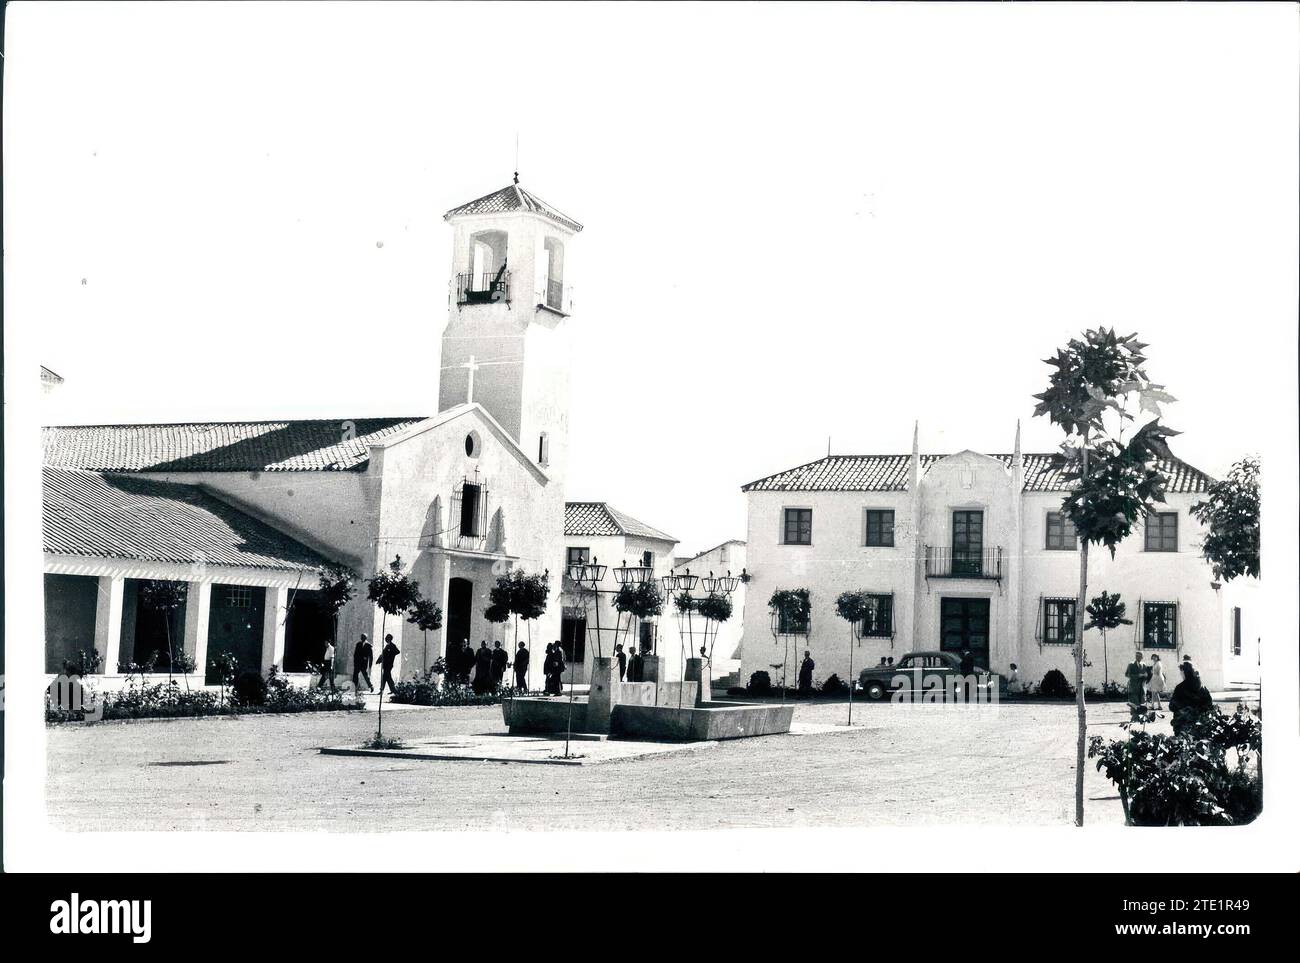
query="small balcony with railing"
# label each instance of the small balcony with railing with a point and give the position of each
(979, 563)
(483, 288)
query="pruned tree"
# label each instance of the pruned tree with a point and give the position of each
(1098, 391)
(715, 609)
(166, 597)
(393, 592)
(337, 586)
(426, 615)
(1231, 511)
(639, 601)
(853, 607)
(524, 596)
(1106, 612)
(791, 611)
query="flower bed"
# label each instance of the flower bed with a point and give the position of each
(141, 699)
(427, 692)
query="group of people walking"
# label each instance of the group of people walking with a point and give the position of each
(363, 659)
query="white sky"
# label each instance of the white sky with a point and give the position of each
(800, 222)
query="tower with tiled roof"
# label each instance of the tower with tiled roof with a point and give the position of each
(506, 344)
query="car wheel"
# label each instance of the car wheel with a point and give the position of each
(875, 691)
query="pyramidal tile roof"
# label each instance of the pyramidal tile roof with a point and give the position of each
(890, 473)
(322, 444)
(510, 198)
(143, 519)
(601, 518)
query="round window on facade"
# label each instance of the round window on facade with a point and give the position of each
(472, 444)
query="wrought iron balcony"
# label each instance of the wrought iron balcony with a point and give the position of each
(483, 288)
(943, 562)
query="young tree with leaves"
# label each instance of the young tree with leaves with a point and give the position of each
(336, 590)
(1106, 612)
(426, 615)
(393, 592)
(1231, 511)
(853, 607)
(791, 610)
(1096, 393)
(165, 597)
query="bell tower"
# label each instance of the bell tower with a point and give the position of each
(506, 344)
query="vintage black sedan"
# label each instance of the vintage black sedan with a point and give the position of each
(920, 672)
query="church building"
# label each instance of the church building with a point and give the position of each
(247, 514)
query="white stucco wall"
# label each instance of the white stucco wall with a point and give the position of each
(837, 561)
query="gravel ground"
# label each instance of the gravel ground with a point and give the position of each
(905, 766)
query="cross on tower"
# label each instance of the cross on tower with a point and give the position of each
(471, 366)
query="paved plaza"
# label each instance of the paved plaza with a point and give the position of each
(922, 765)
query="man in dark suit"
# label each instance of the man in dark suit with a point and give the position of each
(521, 668)
(363, 657)
(499, 663)
(387, 656)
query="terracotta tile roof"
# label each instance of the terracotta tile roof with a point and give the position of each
(889, 473)
(513, 198)
(325, 444)
(601, 518)
(143, 519)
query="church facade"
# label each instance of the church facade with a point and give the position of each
(970, 551)
(248, 514)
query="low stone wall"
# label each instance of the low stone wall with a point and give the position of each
(710, 721)
(545, 715)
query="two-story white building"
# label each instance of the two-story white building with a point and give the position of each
(971, 551)
(597, 532)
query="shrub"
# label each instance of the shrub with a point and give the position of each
(1055, 685)
(1186, 779)
(760, 683)
(249, 689)
(737, 690)
(84, 664)
(424, 691)
(381, 742)
(835, 686)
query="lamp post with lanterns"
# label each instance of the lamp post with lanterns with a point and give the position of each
(629, 575)
(584, 574)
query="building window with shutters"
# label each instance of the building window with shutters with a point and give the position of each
(1162, 532)
(1061, 536)
(879, 623)
(798, 526)
(879, 528)
(1058, 621)
(1236, 630)
(1160, 625)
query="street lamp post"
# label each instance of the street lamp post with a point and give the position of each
(584, 573)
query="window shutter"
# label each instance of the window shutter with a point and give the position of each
(1137, 625)
(1038, 621)
(1178, 625)
(892, 623)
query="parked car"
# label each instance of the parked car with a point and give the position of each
(914, 671)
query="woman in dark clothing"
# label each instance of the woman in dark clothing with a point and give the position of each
(560, 666)
(483, 669)
(1190, 700)
(805, 673)
(548, 668)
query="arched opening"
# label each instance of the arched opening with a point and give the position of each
(486, 278)
(553, 258)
